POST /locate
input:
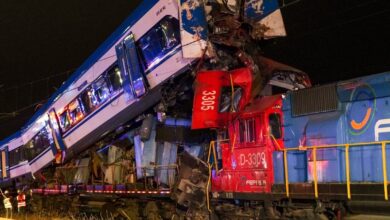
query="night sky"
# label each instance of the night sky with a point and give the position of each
(329, 39)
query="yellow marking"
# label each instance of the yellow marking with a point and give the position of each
(234, 140)
(347, 171)
(207, 188)
(359, 125)
(286, 172)
(3, 164)
(276, 142)
(315, 172)
(215, 158)
(384, 168)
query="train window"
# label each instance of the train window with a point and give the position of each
(22, 154)
(75, 112)
(30, 148)
(26, 152)
(65, 121)
(159, 41)
(247, 130)
(96, 94)
(115, 78)
(241, 131)
(88, 100)
(251, 132)
(17, 155)
(39, 143)
(14, 157)
(226, 99)
(101, 90)
(275, 125)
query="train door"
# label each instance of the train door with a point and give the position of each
(59, 145)
(134, 83)
(4, 163)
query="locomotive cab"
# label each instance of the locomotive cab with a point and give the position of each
(251, 129)
(219, 95)
(247, 155)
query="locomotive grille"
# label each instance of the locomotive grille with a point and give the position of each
(314, 100)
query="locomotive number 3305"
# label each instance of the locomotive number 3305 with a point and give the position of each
(208, 100)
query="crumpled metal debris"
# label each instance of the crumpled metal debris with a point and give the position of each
(193, 177)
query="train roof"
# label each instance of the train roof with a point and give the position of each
(378, 82)
(10, 138)
(135, 15)
(262, 103)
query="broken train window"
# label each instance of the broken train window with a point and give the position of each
(159, 41)
(230, 98)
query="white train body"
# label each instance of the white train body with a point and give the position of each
(49, 134)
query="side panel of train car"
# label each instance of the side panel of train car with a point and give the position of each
(106, 90)
(38, 139)
(109, 92)
(12, 167)
(354, 111)
(24, 149)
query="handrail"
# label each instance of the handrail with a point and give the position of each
(337, 145)
(215, 163)
(347, 165)
(315, 172)
(286, 173)
(211, 149)
(275, 141)
(347, 171)
(285, 151)
(384, 169)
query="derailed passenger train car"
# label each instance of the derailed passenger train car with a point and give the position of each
(22, 151)
(102, 104)
(106, 91)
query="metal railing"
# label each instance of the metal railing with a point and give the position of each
(347, 165)
(212, 152)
